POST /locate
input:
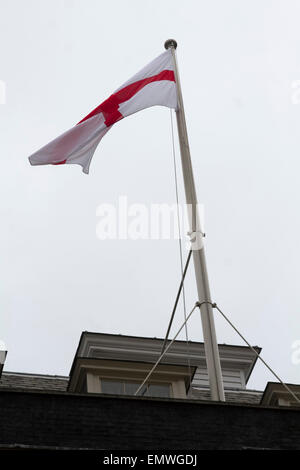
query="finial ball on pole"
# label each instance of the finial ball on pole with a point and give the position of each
(170, 43)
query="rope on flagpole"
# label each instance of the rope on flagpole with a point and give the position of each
(176, 301)
(183, 270)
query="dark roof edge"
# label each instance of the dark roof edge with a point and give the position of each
(74, 358)
(33, 374)
(258, 350)
(162, 339)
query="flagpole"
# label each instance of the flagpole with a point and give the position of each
(208, 325)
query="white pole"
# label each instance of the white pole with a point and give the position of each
(208, 325)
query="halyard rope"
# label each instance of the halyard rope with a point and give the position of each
(176, 301)
(180, 247)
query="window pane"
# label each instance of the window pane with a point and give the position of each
(112, 386)
(131, 388)
(159, 390)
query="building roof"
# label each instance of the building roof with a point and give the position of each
(247, 397)
(53, 383)
(237, 364)
(23, 381)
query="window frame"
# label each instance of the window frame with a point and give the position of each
(125, 381)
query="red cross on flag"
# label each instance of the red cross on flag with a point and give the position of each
(153, 85)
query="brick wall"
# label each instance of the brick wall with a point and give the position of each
(119, 423)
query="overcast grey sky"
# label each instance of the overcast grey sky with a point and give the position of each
(239, 61)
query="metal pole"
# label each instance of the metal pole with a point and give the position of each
(208, 325)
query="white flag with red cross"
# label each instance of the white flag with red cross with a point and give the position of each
(153, 85)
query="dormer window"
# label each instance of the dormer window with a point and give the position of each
(124, 378)
(117, 365)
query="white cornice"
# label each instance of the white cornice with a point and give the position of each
(132, 348)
